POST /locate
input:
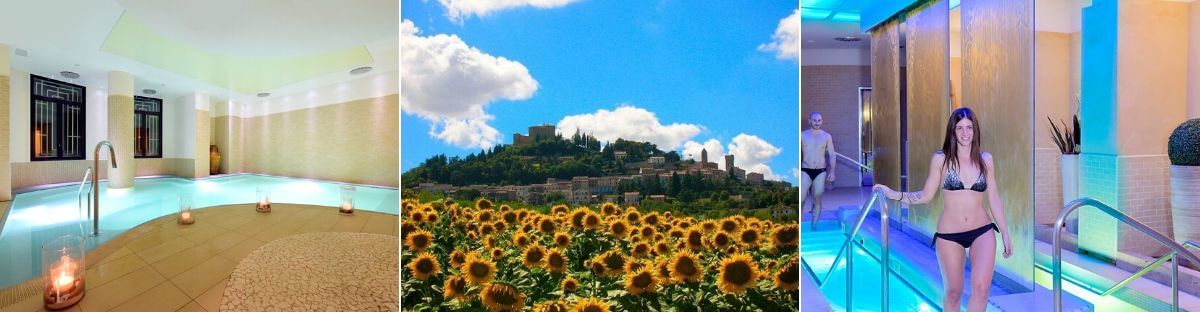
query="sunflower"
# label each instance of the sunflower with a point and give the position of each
(640, 250)
(559, 208)
(590, 304)
(708, 226)
(417, 216)
(683, 224)
(407, 228)
(484, 216)
(608, 208)
(614, 262)
(788, 277)
(562, 239)
(662, 267)
(478, 270)
(455, 287)
(729, 225)
(648, 231)
(632, 216)
(500, 225)
(569, 285)
(502, 297)
(556, 261)
(497, 253)
(486, 229)
(591, 221)
(546, 225)
(521, 240)
(651, 219)
(641, 281)
(749, 237)
(633, 265)
(550, 306)
(694, 239)
(685, 267)
(577, 216)
(432, 217)
(509, 217)
(505, 208)
(419, 240)
(662, 248)
(619, 229)
(457, 258)
(533, 256)
(596, 266)
(676, 233)
(424, 266)
(786, 235)
(483, 204)
(736, 273)
(521, 214)
(721, 240)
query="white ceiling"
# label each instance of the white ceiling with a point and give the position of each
(819, 34)
(67, 35)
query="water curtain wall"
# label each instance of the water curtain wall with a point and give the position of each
(997, 70)
(927, 34)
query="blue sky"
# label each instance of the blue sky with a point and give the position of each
(686, 73)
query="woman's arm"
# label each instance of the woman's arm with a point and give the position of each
(993, 195)
(931, 184)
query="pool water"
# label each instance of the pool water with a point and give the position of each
(39, 216)
(818, 250)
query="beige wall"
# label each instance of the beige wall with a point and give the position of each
(353, 142)
(228, 136)
(998, 46)
(833, 92)
(1057, 84)
(200, 165)
(927, 34)
(1151, 95)
(5, 170)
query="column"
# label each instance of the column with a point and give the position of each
(120, 129)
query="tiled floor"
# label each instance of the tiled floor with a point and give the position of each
(832, 199)
(163, 266)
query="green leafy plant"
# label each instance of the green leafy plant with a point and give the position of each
(1183, 147)
(1067, 139)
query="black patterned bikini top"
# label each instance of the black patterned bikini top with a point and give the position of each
(954, 183)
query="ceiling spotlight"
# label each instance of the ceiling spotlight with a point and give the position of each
(69, 74)
(264, 94)
(848, 39)
(360, 70)
(149, 91)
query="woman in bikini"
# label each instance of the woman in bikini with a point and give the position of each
(964, 225)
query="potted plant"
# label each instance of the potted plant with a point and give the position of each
(214, 160)
(1068, 143)
(1184, 150)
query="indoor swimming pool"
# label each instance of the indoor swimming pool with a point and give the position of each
(42, 215)
(818, 250)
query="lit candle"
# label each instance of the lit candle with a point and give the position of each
(63, 282)
(347, 207)
(262, 201)
(185, 215)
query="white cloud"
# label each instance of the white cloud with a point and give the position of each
(716, 153)
(786, 41)
(752, 154)
(450, 84)
(458, 10)
(629, 123)
(796, 173)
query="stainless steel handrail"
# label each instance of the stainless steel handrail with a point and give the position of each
(886, 265)
(854, 161)
(79, 197)
(1176, 249)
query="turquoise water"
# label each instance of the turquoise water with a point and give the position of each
(39, 216)
(818, 250)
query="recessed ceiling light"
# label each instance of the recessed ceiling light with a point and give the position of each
(264, 94)
(360, 70)
(848, 38)
(149, 91)
(69, 74)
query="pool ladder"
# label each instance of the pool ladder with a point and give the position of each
(885, 263)
(79, 197)
(1176, 250)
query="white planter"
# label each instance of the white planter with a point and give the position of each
(1185, 202)
(1070, 188)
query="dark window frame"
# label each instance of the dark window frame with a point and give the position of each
(60, 123)
(141, 114)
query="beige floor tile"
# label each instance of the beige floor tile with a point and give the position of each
(379, 225)
(184, 260)
(350, 224)
(33, 303)
(100, 274)
(239, 251)
(225, 241)
(211, 298)
(166, 249)
(151, 239)
(193, 307)
(233, 222)
(203, 233)
(114, 293)
(202, 277)
(273, 233)
(252, 227)
(321, 223)
(122, 252)
(164, 297)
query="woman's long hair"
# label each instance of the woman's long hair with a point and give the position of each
(950, 145)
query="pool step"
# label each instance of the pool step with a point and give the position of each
(1040, 299)
(1142, 292)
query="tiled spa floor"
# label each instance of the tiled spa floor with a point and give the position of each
(163, 266)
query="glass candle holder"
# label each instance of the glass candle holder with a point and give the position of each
(185, 209)
(263, 199)
(62, 271)
(347, 206)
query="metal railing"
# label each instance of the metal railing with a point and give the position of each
(79, 195)
(844, 250)
(1176, 250)
(851, 160)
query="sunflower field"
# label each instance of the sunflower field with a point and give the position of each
(579, 259)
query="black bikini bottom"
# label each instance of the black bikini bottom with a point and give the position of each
(812, 173)
(965, 238)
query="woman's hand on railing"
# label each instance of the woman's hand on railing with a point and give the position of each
(887, 191)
